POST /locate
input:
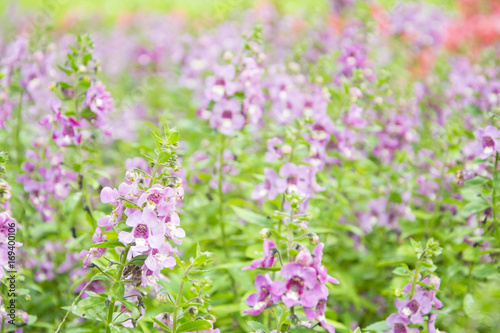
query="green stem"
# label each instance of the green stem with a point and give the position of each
(153, 172)
(290, 235)
(221, 197)
(415, 275)
(495, 221)
(178, 299)
(118, 277)
(72, 306)
(18, 129)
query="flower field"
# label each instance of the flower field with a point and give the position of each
(256, 166)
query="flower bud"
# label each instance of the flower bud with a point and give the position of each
(313, 239)
(265, 233)
(286, 149)
(130, 175)
(5, 196)
(193, 311)
(304, 258)
(3, 184)
(398, 292)
(303, 226)
(228, 56)
(162, 297)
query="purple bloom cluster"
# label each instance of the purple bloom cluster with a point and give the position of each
(303, 284)
(155, 220)
(46, 179)
(291, 179)
(414, 307)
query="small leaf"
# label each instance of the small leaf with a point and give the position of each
(200, 260)
(197, 325)
(164, 156)
(476, 181)
(162, 325)
(475, 207)
(179, 262)
(70, 202)
(251, 217)
(378, 327)
(258, 326)
(173, 137)
(401, 271)
(109, 244)
(158, 139)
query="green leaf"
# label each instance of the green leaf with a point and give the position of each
(251, 217)
(164, 156)
(70, 202)
(90, 308)
(162, 325)
(377, 327)
(166, 129)
(258, 326)
(200, 260)
(158, 139)
(475, 207)
(138, 260)
(148, 158)
(401, 271)
(179, 262)
(173, 137)
(197, 325)
(117, 290)
(109, 244)
(476, 181)
(484, 271)
(468, 306)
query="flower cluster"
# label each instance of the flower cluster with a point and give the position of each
(46, 179)
(303, 284)
(413, 308)
(291, 179)
(151, 215)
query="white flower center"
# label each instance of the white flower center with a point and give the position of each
(219, 90)
(406, 311)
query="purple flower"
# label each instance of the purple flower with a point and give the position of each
(300, 179)
(488, 139)
(99, 101)
(95, 252)
(269, 258)
(263, 298)
(274, 149)
(431, 322)
(148, 232)
(164, 318)
(419, 305)
(271, 186)
(160, 258)
(320, 269)
(227, 117)
(399, 325)
(155, 196)
(298, 287)
(318, 313)
(221, 84)
(109, 195)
